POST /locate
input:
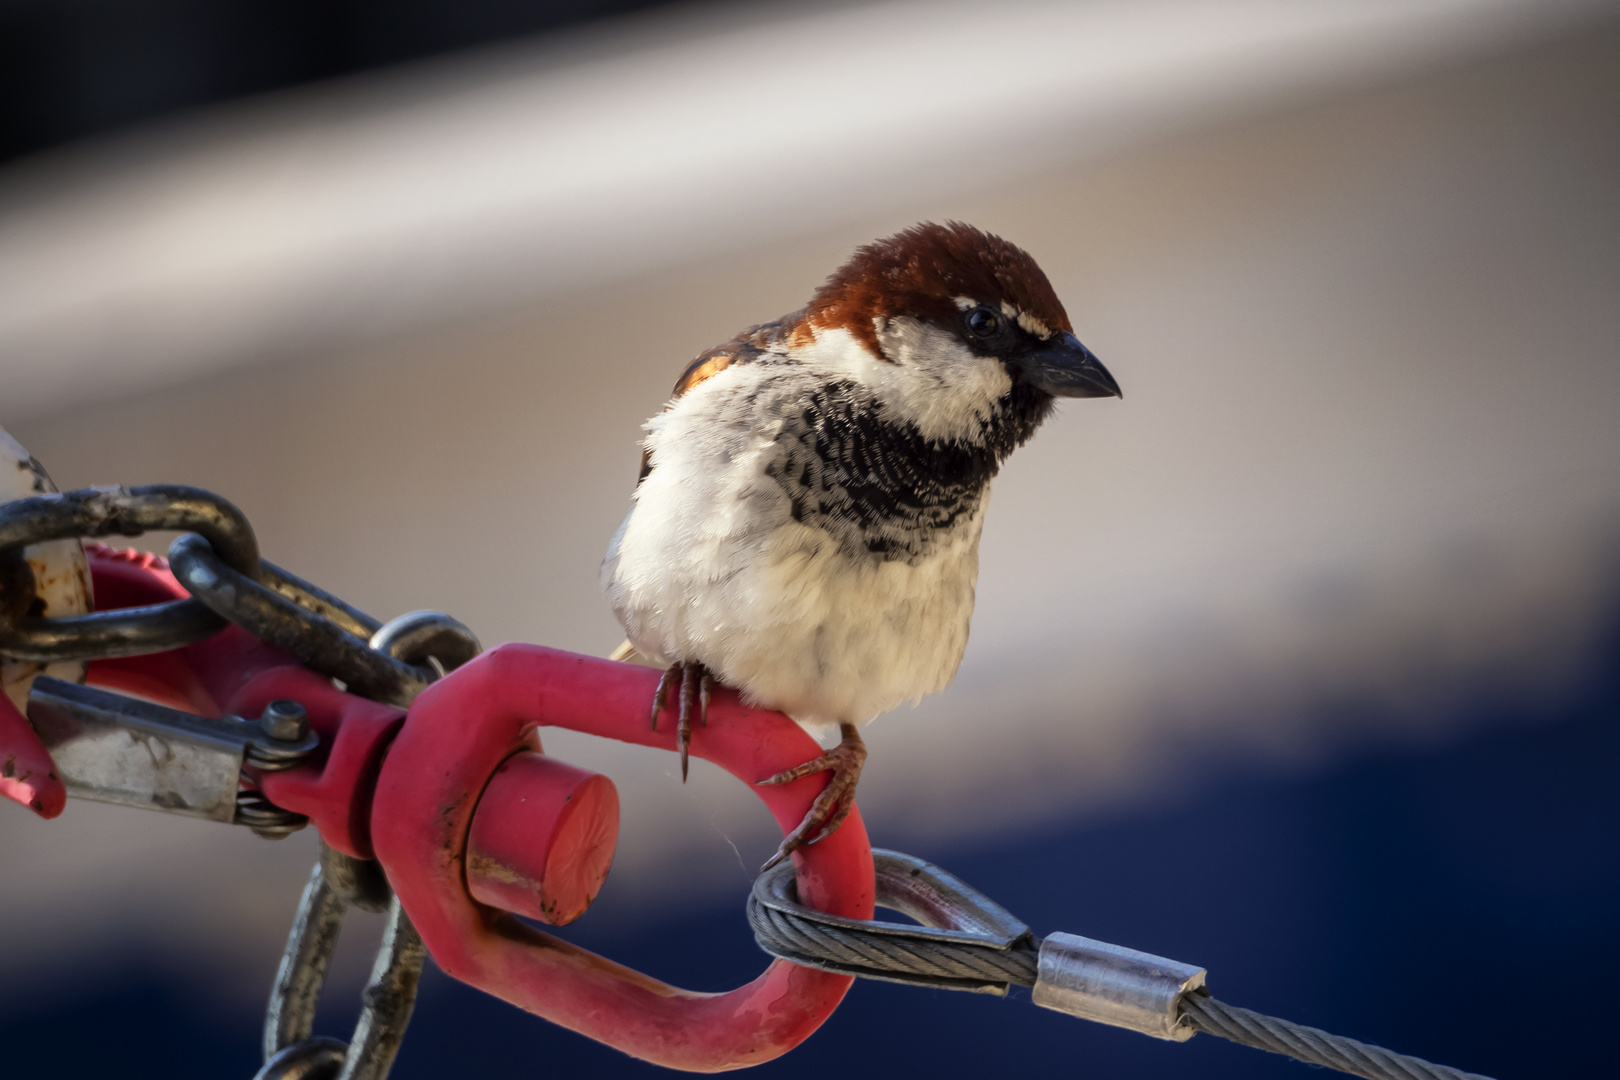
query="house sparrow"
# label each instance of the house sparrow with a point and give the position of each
(806, 525)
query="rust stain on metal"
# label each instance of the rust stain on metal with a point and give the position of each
(486, 867)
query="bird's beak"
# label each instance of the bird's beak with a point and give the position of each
(1063, 367)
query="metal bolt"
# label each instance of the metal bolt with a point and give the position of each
(284, 721)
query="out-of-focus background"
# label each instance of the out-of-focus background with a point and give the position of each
(1301, 663)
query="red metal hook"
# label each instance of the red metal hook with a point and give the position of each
(463, 727)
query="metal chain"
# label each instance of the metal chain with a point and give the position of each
(268, 606)
(917, 955)
(218, 562)
(93, 513)
(291, 1051)
(431, 642)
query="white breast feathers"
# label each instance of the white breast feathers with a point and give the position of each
(718, 562)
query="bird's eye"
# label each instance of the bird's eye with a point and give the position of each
(985, 323)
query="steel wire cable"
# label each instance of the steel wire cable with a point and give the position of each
(886, 955)
(1311, 1045)
(896, 957)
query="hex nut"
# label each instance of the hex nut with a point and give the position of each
(284, 721)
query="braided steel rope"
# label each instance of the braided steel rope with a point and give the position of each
(1311, 1045)
(886, 955)
(897, 957)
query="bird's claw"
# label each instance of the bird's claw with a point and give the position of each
(833, 805)
(695, 685)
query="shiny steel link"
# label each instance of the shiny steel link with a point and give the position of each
(118, 511)
(290, 1017)
(337, 882)
(104, 634)
(317, 641)
(315, 600)
(422, 636)
(91, 513)
(319, 1058)
(360, 882)
(388, 1001)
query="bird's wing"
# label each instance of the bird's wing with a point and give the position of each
(745, 348)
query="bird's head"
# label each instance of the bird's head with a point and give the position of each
(952, 330)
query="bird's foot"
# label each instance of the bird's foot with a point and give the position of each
(694, 685)
(833, 805)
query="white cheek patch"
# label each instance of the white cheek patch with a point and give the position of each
(938, 383)
(930, 379)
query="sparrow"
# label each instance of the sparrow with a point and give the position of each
(805, 528)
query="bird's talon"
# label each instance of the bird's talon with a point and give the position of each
(836, 800)
(660, 694)
(809, 768)
(693, 692)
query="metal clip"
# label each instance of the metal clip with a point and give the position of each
(1115, 985)
(117, 749)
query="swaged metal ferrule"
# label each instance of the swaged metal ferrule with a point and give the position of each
(1115, 985)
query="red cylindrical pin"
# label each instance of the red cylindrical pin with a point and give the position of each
(542, 838)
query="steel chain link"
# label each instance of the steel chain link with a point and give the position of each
(217, 560)
(94, 513)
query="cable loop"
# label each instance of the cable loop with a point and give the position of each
(966, 942)
(944, 952)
